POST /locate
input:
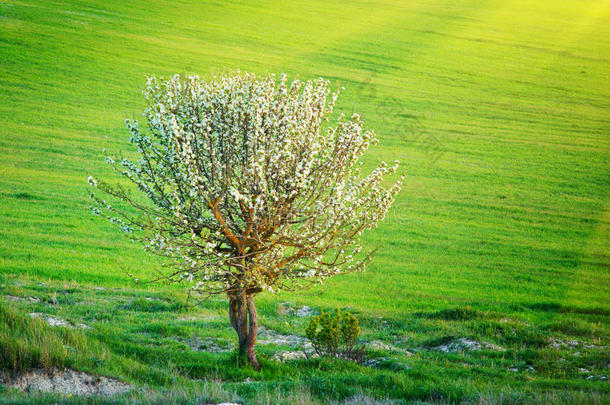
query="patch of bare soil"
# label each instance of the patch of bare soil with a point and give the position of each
(64, 382)
(205, 344)
(269, 336)
(463, 344)
(55, 321)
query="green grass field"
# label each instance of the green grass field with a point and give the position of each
(499, 111)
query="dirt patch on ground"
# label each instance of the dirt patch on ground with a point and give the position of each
(55, 321)
(560, 343)
(205, 344)
(378, 345)
(286, 356)
(268, 336)
(286, 308)
(22, 299)
(64, 382)
(463, 344)
(304, 311)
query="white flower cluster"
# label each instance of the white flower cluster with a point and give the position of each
(249, 184)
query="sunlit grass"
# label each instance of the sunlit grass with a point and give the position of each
(499, 111)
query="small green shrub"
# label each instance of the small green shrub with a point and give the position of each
(334, 334)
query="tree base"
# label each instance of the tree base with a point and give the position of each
(242, 314)
(251, 356)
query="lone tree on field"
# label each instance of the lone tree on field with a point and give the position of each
(248, 188)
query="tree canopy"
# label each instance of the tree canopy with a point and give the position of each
(246, 186)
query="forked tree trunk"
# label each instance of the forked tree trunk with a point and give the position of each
(242, 313)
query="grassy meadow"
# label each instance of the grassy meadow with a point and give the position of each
(499, 112)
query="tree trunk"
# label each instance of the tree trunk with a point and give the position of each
(242, 314)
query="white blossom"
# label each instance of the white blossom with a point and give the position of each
(249, 184)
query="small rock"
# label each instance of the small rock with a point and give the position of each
(556, 343)
(491, 346)
(285, 356)
(463, 344)
(583, 370)
(379, 345)
(531, 369)
(374, 362)
(514, 369)
(304, 311)
(51, 320)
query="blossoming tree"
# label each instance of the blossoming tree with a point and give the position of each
(248, 188)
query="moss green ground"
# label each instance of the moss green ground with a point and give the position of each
(499, 110)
